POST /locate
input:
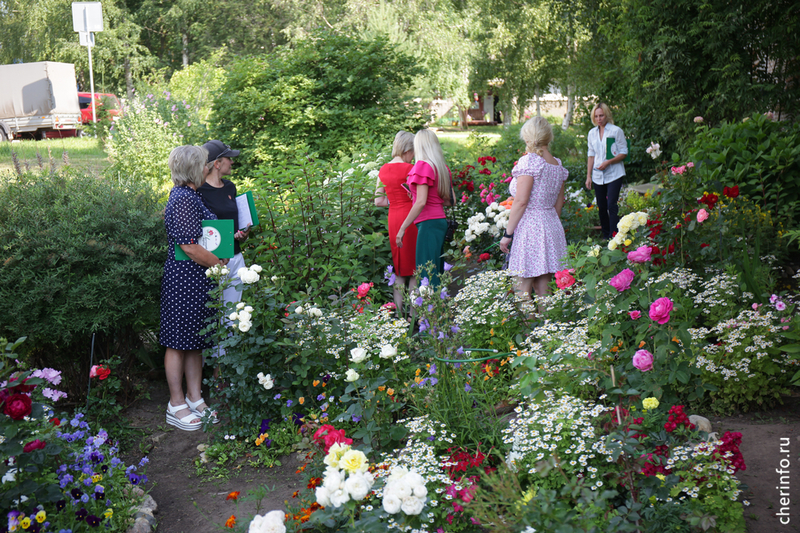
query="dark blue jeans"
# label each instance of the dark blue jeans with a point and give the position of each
(607, 203)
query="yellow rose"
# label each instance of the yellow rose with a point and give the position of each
(354, 461)
(612, 245)
(335, 453)
(650, 403)
(628, 242)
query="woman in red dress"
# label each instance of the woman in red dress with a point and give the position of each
(390, 193)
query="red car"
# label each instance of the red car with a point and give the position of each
(106, 101)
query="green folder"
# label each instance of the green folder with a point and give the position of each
(217, 238)
(609, 145)
(248, 216)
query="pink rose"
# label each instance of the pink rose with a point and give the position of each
(363, 289)
(702, 215)
(698, 120)
(622, 281)
(660, 309)
(564, 278)
(635, 315)
(690, 164)
(640, 255)
(643, 360)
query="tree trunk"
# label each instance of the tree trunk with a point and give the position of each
(128, 79)
(570, 108)
(185, 50)
(462, 116)
(538, 103)
(509, 111)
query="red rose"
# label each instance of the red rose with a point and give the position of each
(484, 257)
(55, 421)
(18, 406)
(99, 371)
(20, 386)
(731, 192)
(34, 445)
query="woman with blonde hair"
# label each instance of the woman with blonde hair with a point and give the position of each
(391, 193)
(604, 168)
(534, 224)
(431, 190)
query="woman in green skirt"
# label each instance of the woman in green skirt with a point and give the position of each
(430, 188)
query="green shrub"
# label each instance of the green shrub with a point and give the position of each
(762, 157)
(320, 232)
(82, 255)
(331, 93)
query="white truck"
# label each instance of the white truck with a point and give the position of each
(39, 99)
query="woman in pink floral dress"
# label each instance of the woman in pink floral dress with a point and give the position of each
(534, 225)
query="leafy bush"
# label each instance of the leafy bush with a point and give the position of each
(82, 255)
(759, 156)
(320, 232)
(328, 93)
(152, 126)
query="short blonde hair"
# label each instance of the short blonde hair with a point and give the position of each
(428, 149)
(403, 142)
(186, 165)
(537, 134)
(606, 112)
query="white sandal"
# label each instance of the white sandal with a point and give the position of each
(186, 422)
(193, 406)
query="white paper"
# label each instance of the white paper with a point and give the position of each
(245, 220)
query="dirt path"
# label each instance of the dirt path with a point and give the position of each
(187, 504)
(767, 439)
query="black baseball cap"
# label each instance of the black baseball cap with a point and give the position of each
(217, 149)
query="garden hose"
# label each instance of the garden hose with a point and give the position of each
(495, 355)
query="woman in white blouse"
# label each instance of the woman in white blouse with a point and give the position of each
(605, 170)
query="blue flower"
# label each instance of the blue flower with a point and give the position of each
(430, 307)
(460, 350)
(441, 335)
(455, 329)
(431, 438)
(423, 325)
(85, 497)
(467, 388)
(443, 295)
(289, 403)
(418, 301)
(447, 266)
(424, 282)
(320, 397)
(432, 370)
(265, 425)
(356, 418)
(277, 397)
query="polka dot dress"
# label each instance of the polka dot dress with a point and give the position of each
(539, 246)
(184, 287)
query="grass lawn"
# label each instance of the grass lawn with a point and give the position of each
(84, 153)
(457, 145)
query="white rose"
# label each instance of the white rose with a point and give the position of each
(248, 276)
(388, 351)
(398, 472)
(323, 496)
(420, 491)
(358, 355)
(333, 479)
(244, 327)
(357, 486)
(255, 268)
(425, 290)
(244, 316)
(391, 503)
(272, 522)
(265, 381)
(233, 316)
(612, 245)
(240, 305)
(299, 310)
(248, 308)
(414, 479)
(351, 375)
(412, 506)
(315, 312)
(274, 279)
(339, 497)
(208, 272)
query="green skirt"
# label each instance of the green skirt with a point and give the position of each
(430, 242)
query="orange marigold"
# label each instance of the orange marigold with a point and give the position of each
(233, 495)
(314, 482)
(230, 522)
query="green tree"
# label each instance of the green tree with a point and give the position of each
(331, 93)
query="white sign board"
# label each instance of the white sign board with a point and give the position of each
(87, 39)
(87, 16)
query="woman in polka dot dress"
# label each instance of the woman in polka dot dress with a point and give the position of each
(184, 289)
(539, 245)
